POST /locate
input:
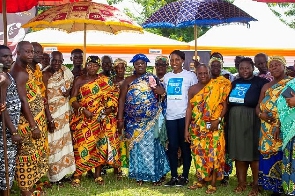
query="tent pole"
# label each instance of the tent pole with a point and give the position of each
(196, 37)
(84, 46)
(4, 14)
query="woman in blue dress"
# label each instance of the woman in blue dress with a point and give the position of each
(140, 105)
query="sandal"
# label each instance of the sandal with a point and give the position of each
(139, 182)
(163, 179)
(196, 185)
(225, 181)
(240, 188)
(159, 183)
(120, 175)
(254, 191)
(99, 180)
(37, 193)
(211, 189)
(47, 185)
(59, 183)
(76, 182)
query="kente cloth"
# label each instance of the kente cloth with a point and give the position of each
(288, 174)
(88, 132)
(267, 144)
(39, 80)
(270, 171)
(32, 158)
(208, 147)
(123, 150)
(147, 158)
(13, 106)
(286, 116)
(61, 155)
(108, 142)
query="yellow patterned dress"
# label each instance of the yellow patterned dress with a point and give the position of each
(208, 148)
(109, 141)
(91, 146)
(32, 158)
(61, 155)
(271, 155)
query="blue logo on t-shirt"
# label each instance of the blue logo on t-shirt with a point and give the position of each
(238, 94)
(174, 88)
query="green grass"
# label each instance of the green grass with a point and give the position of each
(128, 187)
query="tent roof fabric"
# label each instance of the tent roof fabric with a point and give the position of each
(100, 38)
(268, 32)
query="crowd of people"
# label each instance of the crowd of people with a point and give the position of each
(63, 123)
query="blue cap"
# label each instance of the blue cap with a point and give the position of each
(140, 57)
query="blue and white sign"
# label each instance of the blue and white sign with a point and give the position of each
(238, 94)
(174, 88)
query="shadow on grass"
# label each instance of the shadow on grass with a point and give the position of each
(128, 187)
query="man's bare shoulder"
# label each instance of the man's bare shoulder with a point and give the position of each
(18, 71)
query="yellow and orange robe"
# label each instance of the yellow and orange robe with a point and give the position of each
(39, 80)
(89, 147)
(208, 148)
(32, 158)
(61, 155)
(109, 141)
(271, 154)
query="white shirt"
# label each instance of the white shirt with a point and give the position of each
(177, 86)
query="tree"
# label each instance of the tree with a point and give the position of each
(150, 6)
(288, 13)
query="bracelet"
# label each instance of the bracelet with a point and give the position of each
(72, 100)
(4, 107)
(34, 128)
(50, 121)
(14, 133)
(120, 120)
(81, 109)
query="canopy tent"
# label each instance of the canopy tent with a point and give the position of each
(268, 35)
(122, 45)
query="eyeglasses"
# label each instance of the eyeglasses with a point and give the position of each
(139, 63)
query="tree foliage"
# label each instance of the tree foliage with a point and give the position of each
(149, 7)
(288, 12)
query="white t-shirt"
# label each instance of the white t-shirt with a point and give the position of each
(177, 86)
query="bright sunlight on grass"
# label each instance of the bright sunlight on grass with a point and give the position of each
(127, 187)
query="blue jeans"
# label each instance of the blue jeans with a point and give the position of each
(175, 133)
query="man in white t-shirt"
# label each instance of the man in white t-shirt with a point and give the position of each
(177, 84)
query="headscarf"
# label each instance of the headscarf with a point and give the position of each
(281, 59)
(291, 68)
(93, 59)
(164, 59)
(139, 57)
(215, 59)
(120, 61)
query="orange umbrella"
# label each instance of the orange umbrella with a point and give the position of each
(84, 16)
(15, 6)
